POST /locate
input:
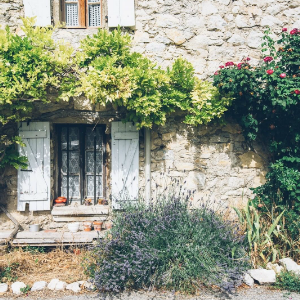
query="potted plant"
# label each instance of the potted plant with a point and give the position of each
(98, 225)
(87, 226)
(87, 201)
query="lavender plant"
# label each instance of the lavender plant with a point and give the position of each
(167, 245)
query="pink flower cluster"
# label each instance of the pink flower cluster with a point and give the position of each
(293, 31)
(229, 63)
(268, 59)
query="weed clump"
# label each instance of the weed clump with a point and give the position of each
(167, 245)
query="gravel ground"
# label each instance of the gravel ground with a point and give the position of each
(256, 293)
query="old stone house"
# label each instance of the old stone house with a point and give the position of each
(78, 150)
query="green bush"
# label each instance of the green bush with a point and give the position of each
(166, 245)
(288, 281)
(267, 106)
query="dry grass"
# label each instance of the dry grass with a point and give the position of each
(29, 267)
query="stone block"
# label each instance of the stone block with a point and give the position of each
(248, 280)
(184, 166)
(38, 286)
(275, 267)
(74, 287)
(290, 265)
(263, 276)
(52, 284)
(251, 159)
(168, 136)
(17, 286)
(3, 288)
(176, 36)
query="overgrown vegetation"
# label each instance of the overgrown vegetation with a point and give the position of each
(288, 281)
(105, 71)
(167, 245)
(267, 105)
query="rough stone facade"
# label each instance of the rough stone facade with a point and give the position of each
(214, 160)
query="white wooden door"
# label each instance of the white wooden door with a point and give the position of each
(125, 163)
(34, 182)
(121, 13)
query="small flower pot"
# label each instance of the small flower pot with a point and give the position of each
(73, 227)
(76, 251)
(87, 226)
(98, 225)
(34, 228)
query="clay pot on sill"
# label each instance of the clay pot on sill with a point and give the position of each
(87, 226)
(97, 225)
(60, 200)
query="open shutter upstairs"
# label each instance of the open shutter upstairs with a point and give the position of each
(39, 9)
(113, 7)
(127, 14)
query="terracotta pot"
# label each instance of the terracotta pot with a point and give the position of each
(60, 200)
(87, 226)
(98, 225)
(76, 251)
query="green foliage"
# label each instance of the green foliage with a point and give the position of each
(167, 245)
(105, 71)
(25, 289)
(30, 67)
(110, 73)
(267, 105)
(288, 281)
(260, 234)
(6, 274)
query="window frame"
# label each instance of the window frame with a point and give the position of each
(82, 162)
(83, 13)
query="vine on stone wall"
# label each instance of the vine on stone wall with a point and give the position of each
(105, 71)
(267, 104)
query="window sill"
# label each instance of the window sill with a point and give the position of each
(80, 213)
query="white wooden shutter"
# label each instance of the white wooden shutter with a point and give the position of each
(121, 12)
(125, 163)
(34, 182)
(39, 9)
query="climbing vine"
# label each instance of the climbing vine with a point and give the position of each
(267, 104)
(104, 70)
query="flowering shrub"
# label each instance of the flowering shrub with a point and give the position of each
(166, 245)
(267, 105)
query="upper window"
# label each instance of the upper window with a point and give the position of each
(82, 13)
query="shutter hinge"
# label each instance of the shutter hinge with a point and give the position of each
(106, 19)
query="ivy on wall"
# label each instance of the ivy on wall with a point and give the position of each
(104, 70)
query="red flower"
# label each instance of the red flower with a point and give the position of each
(239, 66)
(294, 31)
(229, 63)
(268, 59)
(221, 67)
(270, 72)
(297, 92)
(284, 29)
(282, 75)
(248, 58)
(216, 73)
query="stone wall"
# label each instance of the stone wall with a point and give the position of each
(205, 32)
(214, 160)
